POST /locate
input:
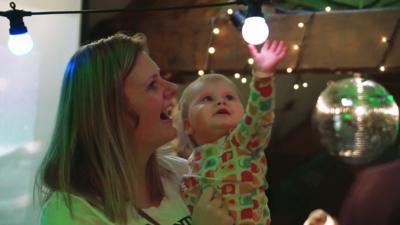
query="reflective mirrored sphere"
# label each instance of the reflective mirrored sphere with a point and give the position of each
(356, 120)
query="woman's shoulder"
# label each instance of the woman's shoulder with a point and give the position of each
(178, 164)
(63, 209)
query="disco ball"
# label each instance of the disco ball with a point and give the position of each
(356, 120)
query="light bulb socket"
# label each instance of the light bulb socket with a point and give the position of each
(15, 17)
(237, 18)
(17, 25)
(254, 8)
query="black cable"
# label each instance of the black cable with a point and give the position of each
(164, 8)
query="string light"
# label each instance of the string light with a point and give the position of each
(211, 50)
(384, 39)
(328, 9)
(216, 31)
(200, 72)
(300, 25)
(296, 47)
(229, 11)
(289, 70)
(296, 86)
(236, 75)
(243, 80)
(19, 36)
(382, 68)
(304, 84)
(250, 61)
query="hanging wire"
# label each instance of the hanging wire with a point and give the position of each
(144, 9)
(390, 43)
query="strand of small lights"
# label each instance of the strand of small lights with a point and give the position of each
(299, 47)
(211, 49)
(389, 42)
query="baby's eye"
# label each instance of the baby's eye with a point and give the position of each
(152, 85)
(230, 97)
(207, 99)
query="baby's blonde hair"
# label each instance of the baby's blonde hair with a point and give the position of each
(185, 144)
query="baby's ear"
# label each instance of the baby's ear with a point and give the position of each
(187, 127)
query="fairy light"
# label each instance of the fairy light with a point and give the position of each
(216, 31)
(304, 84)
(296, 47)
(200, 72)
(243, 80)
(236, 75)
(289, 69)
(296, 86)
(300, 25)
(211, 50)
(250, 61)
(382, 68)
(328, 9)
(384, 39)
(229, 11)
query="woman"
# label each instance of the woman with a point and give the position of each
(102, 166)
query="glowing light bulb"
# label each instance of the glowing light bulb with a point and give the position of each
(300, 25)
(328, 9)
(216, 30)
(200, 72)
(20, 44)
(250, 61)
(296, 86)
(229, 11)
(237, 75)
(289, 70)
(211, 50)
(255, 30)
(243, 80)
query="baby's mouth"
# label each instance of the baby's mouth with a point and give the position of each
(222, 111)
(166, 113)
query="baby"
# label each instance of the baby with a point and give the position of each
(228, 142)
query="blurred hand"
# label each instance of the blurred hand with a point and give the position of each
(319, 217)
(269, 56)
(209, 210)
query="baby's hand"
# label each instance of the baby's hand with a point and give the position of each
(268, 57)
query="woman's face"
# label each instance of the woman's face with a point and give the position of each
(150, 97)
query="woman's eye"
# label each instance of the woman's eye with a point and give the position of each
(230, 97)
(207, 99)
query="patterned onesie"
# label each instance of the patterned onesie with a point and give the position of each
(235, 165)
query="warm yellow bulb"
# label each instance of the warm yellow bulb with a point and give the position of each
(243, 80)
(237, 75)
(211, 50)
(289, 70)
(296, 86)
(229, 11)
(296, 47)
(305, 84)
(200, 72)
(250, 61)
(328, 8)
(382, 68)
(384, 39)
(301, 25)
(216, 30)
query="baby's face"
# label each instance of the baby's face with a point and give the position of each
(214, 110)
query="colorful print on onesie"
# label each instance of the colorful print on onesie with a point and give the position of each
(235, 165)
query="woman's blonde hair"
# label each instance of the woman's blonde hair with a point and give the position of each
(185, 144)
(89, 154)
